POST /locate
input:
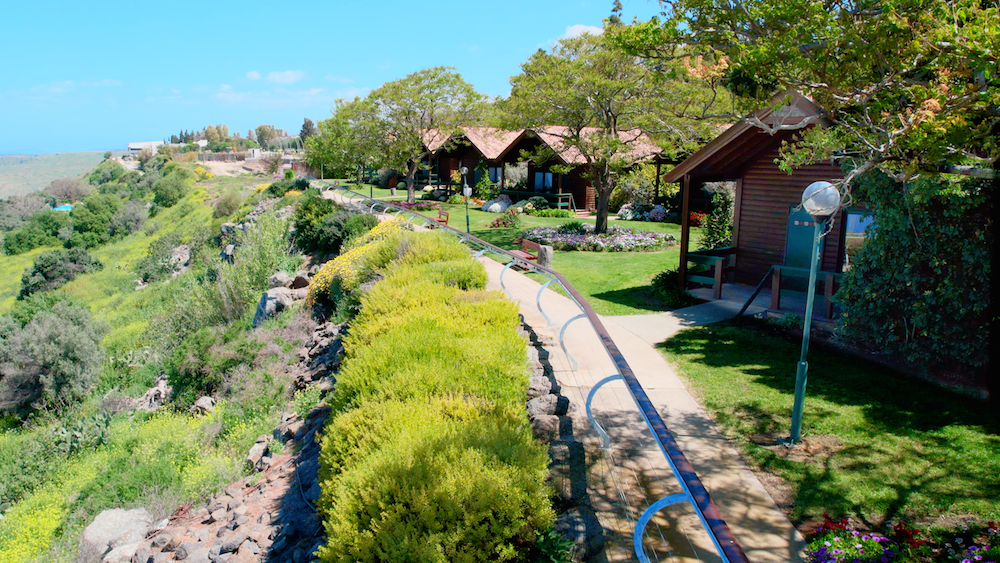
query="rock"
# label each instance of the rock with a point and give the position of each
(115, 528)
(272, 302)
(228, 229)
(545, 427)
(203, 405)
(545, 256)
(180, 259)
(547, 404)
(280, 279)
(121, 554)
(538, 386)
(257, 451)
(155, 396)
(233, 541)
(580, 525)
(300, 293)
(227, 252)
(301, 280)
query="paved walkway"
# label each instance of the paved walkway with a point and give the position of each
(633, 474)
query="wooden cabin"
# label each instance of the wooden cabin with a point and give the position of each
(571, 190)
(767, 230)
(473, 146)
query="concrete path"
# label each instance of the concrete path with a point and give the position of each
(626, 479)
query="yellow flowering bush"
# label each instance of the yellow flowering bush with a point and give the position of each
(293, 193)
(344, 269)
(261, 187)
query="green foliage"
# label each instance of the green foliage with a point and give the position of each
(559, 213)
(637, 186)
(169, 189)
(664, 287)
(357, 225)
(227, 204)
(129, 219)
(445, 489)
(25, 309)
(538, 202)
(719, 223)
(430, 457)
(54, 359)
(43, 229)
(920, 284)
(53, 269)
(199, 364)
(156, 264)
(86, 433)
(485, 189)
(92, 220)
(311, 231)
(281, 187)
(106, 171)
(509, 219)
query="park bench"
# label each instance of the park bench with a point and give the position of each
(442, 217)
(526, 247)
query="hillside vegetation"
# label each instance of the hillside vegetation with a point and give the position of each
(23, 173)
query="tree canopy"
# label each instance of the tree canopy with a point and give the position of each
(600, 98)
(910, 85)
(387, 127)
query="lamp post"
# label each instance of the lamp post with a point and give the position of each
(466, 193)
(820, 200)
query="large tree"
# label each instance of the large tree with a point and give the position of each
(390, 124)
(308, 130)
(264, 134)
(599, 98)
(910, 85)
(344, 141)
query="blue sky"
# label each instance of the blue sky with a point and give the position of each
(80, 76)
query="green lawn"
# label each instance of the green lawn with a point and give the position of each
(878, 446)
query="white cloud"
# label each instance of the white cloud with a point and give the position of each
(580, 29)
(225, 87)
(253, 75)
(286, 77)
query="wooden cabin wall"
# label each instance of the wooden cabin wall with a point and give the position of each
(766, 195)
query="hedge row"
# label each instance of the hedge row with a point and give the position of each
(430, 456)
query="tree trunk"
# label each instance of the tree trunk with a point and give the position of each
(411, 173)
(604, 188)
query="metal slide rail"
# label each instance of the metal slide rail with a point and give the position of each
(694, 492)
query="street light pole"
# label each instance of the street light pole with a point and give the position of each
(466, 194)
(820, 200)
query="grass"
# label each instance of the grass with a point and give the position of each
(878, 445)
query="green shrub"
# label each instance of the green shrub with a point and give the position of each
(443, 488)
(92, 220)
(54, 359)
(198, 365)
(309, 223)
(358, 225)
(664, 287)
(129, 219)
(718, 225)
(227, 204)
(25, 309)
(156, 264)
(561, 213)
(43, 229)
(572, 228)
(281, 187)
(169, 189)
(53, 269)
(106, 171)
(538, 202)
(919, 286)
(485, 189)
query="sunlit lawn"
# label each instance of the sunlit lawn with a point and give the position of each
(879, 445)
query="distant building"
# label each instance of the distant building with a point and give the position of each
(151, 146)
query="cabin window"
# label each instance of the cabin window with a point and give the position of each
(494, 173)
(543, 181)
(857, 224)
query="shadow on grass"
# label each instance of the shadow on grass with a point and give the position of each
(884, 445)
(635, 297)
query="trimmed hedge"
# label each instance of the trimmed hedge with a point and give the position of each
(430, 456)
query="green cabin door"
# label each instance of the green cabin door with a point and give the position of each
(798, 246)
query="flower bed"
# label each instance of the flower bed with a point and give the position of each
(642, 212)
(837, 541)
(581, 237)
(422, 205)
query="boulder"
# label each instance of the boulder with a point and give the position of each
(538, 386)
(228, 229)
(545, 427)
(301, 280)
(280, 279)
(581, 526)
(113, 529)
(227, 252)
(203, 405)
(545, 255)
(155, 396)
(180, 259)
(272, 302)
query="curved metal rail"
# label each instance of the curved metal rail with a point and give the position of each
(694, 492)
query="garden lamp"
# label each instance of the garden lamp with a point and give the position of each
(820, 200)
(467, 193)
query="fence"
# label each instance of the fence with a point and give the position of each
(693, 492)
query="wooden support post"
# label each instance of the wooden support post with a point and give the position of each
(776, 289)
(828, 294)
(685, 229)
(657, 192)
(717, 287)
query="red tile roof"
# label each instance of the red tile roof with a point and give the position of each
(640, 147)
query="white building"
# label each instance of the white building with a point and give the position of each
(136, 148)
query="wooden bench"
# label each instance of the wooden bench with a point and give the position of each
(828, 279)
(719, 264)
(526, 247)
(442, 217)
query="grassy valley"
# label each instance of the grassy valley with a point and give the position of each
(23, 173)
